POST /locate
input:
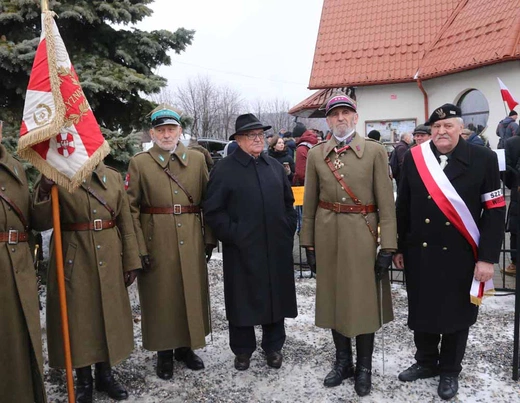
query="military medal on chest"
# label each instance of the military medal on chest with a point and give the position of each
(338, 164)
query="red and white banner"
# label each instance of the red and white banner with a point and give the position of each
(507, 96)
(452, 206)
(59, 134)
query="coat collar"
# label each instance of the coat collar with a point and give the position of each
(101, 174)
(357, 145)
(7, 161)
(162, 157)
(245, 158)
(459, 159)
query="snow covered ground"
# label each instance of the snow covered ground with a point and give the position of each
(308, 355)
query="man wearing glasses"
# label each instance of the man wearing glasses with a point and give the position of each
(249, 206)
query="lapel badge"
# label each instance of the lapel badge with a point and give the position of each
(161, 157)
(104, 179)
(15, 171)
(358, 148)
(183, 156)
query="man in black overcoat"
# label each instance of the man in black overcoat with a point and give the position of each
(512, 148)
(443, 248)
(249, 205)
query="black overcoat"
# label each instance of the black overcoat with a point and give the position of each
(512, 149)
(439, 262)
(249, 206)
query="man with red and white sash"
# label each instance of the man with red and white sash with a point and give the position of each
(450, 223)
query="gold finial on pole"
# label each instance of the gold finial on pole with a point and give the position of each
(45, 5)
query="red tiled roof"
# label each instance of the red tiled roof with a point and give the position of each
(387, 41)
(310, 107)
(482, 32)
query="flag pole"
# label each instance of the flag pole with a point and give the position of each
(61, 289)
(61, 276)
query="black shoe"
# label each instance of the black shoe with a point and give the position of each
(274, 359)
(192, 360)
(448, 387)
(165, 364)
(105, 382)
(343, 366)
(84, 385)
(417, 371)
(362, 380)
(242, 361)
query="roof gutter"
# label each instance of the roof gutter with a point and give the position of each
(419, 84)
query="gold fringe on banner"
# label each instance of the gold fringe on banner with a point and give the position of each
(58, 122)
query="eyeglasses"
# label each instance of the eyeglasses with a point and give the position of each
(255, 135)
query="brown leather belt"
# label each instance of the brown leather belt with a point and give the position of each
(176, 209)
(348, 208)
(13, 237)
(96, 225)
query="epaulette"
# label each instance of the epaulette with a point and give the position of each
(372, 140)
(319, 143)
(112, 168)
(140, 152)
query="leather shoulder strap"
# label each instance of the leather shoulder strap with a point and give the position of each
(174, 178)
(91, 191)
(16, 209)
(349, 191)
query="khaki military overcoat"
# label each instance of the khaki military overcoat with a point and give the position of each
(174, 292)
(21, 370)
(347, 296)
(100, 317)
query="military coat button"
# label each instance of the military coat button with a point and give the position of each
(427, 221)
(424, 244)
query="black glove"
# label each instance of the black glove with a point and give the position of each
(209, 252)
(147, 264)
(130, 277)
(383, 264)
(311, 259)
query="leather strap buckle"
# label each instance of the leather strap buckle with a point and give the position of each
(177, 209)
(98, 225)
(13, 237)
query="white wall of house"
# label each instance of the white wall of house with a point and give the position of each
(451, 88)
(406, 101)
(389, 102)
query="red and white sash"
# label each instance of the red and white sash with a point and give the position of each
(453, 207)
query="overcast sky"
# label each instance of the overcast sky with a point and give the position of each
(261, 48)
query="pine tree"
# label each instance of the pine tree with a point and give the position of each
(115, 65)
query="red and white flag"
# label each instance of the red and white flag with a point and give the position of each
(59, 135)
(507, 96)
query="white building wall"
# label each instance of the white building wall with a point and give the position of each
(406, 101)
(451, 88)
(389, 102)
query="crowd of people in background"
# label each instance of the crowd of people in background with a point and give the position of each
(161, 228)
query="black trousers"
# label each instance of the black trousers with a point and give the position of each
(512, 245)
(449, 358)
(242, 339)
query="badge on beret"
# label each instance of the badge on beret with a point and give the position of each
(440, 113)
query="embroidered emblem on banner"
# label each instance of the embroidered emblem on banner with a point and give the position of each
(65, 144)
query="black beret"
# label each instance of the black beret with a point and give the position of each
(446, 111)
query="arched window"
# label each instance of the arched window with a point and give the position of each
(475, 110)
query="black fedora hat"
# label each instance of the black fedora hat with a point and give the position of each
(247, 122)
